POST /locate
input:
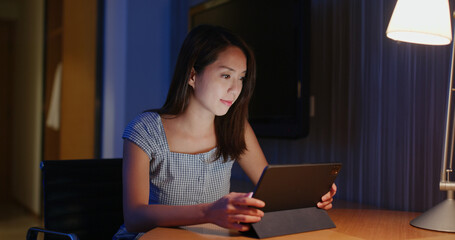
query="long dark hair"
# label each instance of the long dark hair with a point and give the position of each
(201, 48)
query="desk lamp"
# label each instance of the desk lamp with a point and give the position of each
(428, 22)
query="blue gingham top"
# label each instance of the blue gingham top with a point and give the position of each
(176, 178)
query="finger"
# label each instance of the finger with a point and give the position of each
(246, 211)
(333, 190)
(240, 218)
(330, 194)
(324, 206)
(326, 197)
(325, 203)
(242, 199)
(247, 201)
(238, 226)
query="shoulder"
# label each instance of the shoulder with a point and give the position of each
(149, 118)
(148, 121)
(146, 131)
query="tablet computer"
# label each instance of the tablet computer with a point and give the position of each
(284, 187)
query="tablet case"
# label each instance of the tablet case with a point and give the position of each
(291, 193)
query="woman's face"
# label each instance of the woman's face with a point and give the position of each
(218, 86)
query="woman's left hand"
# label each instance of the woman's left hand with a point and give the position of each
(327, 199)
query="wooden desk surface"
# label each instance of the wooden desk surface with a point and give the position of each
(352, 221)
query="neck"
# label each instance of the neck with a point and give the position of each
(197, 123)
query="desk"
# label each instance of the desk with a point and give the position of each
(352, 221)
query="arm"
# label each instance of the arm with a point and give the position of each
(140, 216)
(253, 162)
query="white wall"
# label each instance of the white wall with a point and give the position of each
(27, 104)
(137, 67)
(113, 115)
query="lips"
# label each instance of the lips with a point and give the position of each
(226, 102)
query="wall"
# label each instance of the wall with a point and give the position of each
(137, 64)
(9, 9)
(113, 114)
(27, 104)
(6, 82)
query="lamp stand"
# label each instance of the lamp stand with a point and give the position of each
(442, 216)
(439, 218)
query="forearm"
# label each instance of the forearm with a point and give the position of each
(146, 217)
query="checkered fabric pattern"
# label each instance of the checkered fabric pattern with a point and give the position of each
(177, 178)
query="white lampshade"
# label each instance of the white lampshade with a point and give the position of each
(421, 21)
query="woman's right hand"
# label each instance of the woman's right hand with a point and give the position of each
(234, 210)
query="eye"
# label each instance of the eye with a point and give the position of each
(226, 76)
(242, 79)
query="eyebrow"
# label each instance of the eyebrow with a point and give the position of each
(231, 69)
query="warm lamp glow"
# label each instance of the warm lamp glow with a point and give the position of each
(421, 21)
(428, 22)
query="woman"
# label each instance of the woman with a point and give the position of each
(178, 159)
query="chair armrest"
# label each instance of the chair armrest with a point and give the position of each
(32, 233)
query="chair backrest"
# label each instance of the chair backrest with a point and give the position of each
(83, 197)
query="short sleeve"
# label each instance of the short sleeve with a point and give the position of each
(146, 132)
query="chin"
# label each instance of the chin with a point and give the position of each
(221, 113)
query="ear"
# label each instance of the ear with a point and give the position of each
(192, 79)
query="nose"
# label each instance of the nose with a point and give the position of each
(236, 87)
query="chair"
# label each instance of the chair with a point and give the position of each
(82, 199)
